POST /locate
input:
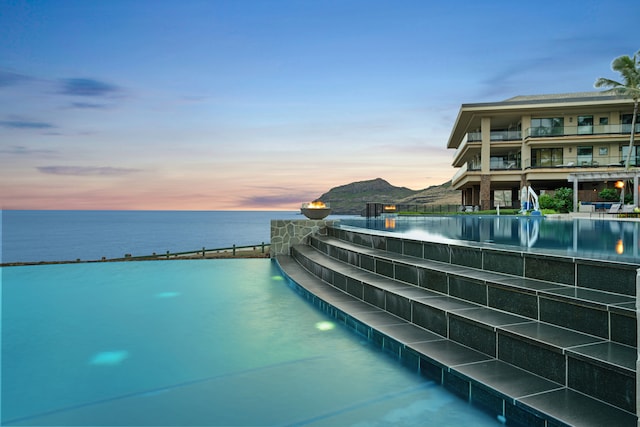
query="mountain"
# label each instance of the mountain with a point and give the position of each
(351, 199)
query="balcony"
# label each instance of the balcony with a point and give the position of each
(544, 132)
(496, 135)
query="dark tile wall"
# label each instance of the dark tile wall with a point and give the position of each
(552, 269)
(574, 316)
(430, 318)
(621, 280)
(431, 370)
(472, 335)
(410, 358)
(456, 384)
(436, 252)
(623, 329)
(379, 242)
(367, 262)
(521, 303)
(400, 306)
(407, 273)
(518, 417)
(392, 346)
(355, 288)
(339, 280)
(486, 400)
(469, 257)
(384, 268)
(434, 280)
(504, 262)
(394, 245)
(468, 289)
(374, 295)
(413, 248)
(539, 360)
(612, 387)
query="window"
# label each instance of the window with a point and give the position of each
(604, 121)
(625, 120)
(634, 160)
(502, 198)
(585, 125)
(547, 126)
(585, 156)
(546, 157)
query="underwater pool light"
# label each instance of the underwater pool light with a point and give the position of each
(325, 326)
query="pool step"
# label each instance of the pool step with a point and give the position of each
(606, 315)
(538, 347)
(522, 397)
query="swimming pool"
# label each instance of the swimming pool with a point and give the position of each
(579, 237)
(208, 342)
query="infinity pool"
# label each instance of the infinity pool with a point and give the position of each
(580, 237)
(207, 343)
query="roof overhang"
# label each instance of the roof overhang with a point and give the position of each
(602, 176)
(469, 114)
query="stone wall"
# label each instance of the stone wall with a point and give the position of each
(286, 233)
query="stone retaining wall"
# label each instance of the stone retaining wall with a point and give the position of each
(286, 233)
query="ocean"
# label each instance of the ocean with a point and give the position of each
(33, 236)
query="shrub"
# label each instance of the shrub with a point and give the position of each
(609, 194)
(546, 201)
(563, 199)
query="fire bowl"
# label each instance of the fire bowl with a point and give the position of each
(316, 213)
(315, 210)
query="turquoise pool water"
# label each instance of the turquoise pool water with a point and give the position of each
(217, 342)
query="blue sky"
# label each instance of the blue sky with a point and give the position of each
(267, 104)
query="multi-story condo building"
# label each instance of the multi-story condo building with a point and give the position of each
(578, 140)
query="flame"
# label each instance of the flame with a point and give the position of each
(619, 247)
(316, 205)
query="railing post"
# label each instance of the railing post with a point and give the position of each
(234, 249)
(262, 247)
(203, 251)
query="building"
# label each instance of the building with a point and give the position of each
(546, 142)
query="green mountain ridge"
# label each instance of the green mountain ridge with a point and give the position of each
(351, 199)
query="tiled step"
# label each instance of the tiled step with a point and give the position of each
(603, 275)
(534, 346)
(606, 315)
(500, 388)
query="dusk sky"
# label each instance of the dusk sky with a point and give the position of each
(241, 104)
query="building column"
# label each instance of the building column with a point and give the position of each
(575, 195)
(485, 164)
(485, 192)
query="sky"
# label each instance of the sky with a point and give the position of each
(266, 104)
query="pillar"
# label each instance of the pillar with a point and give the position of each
(485, 192)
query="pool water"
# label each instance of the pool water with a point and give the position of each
(610, 239)
(208, 342)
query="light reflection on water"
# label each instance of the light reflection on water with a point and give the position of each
(588, 238)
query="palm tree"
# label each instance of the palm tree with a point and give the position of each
(629, 69)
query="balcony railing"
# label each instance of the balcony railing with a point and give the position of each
(578, 162)
(542, 132)
(496, 135)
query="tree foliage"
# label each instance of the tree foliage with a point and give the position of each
(629, 69)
